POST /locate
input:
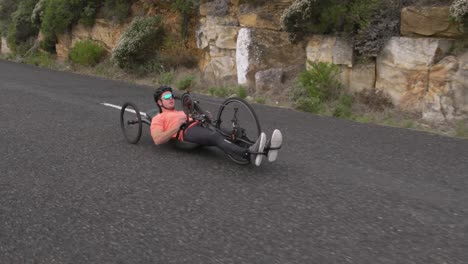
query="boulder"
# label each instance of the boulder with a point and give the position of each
(269, 81)
(403, 69)
(331, 49)
(431, 21)
(362, 77)
(439, 99)
(447, 97)
(259, 50)
(209, 32)
(220, 70)
(266, 16)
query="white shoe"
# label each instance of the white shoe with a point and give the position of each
(258, 147)
(275, 144)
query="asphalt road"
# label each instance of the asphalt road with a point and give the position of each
(73, 191)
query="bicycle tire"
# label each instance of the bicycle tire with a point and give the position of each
(130, 122)
(250, 132)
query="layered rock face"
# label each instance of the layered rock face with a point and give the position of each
(103, 31)
(244, 44)
(4, 47)
(428, 22)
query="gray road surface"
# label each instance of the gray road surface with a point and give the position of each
(73, 191)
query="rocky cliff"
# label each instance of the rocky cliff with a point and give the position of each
(243, 44)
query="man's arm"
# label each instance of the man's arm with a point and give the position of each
(159, 136)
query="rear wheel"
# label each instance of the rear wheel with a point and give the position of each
(237, 121)
(130, 122)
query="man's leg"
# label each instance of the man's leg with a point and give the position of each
(210, 137)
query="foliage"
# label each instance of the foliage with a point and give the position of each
(116, 10)
(186, 83)
(382, 25)
(260, 100)
(175, 54)
(21, 27)
(40, 59)
(461, 129)
(38, 13)
(58, 17)
(138, 42)
(459, 11)
(88, 14)
(87, 53)
(220, 91)
(7, 7)
(343, 108)
(317, 85)
(377, 101)
(185, 8)
(372, 22)
(241, 91)
(166, 78)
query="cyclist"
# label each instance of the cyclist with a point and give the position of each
(172, 124)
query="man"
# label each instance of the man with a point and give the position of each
(166, 125)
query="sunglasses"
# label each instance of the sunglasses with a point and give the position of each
(168, 96)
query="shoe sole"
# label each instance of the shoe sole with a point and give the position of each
(261, 147)
(276, 141)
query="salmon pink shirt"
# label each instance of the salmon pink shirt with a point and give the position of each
(166, 120)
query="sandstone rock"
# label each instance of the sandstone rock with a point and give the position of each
(62, 48)
(428, 22)
(460, 87)
(103, 31)
(259, 50)
(215, 8)
(4, 49)
(266, 16)
(270, 80)
(224, 36)
(330, 49)
(362, 77)
(220, 70)
(403, 69)
(439, 99)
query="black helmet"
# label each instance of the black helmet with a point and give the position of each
(161, 89)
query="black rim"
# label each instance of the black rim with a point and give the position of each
(237, 120)
(130, 122)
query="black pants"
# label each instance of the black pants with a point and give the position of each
(212, 138)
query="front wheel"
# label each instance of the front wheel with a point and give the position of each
(238, 122)
(130, 122)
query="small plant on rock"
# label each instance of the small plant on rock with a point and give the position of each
(87, 53)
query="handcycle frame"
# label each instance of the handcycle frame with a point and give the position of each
(235, 134)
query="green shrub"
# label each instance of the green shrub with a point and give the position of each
(40, 59)
(241, 91)
(343, 108)
(21, 28)
(166, 78)
(309, 104)
(185, 8)
(88, 14)
(461, 129)
(317, 85)
(219, 91)
(87, 53)
(459, 12)
(186, 83)
(7, 7)
(116, 10)
(260, 100)
(138, 42)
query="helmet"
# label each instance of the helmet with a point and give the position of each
(161, 89)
